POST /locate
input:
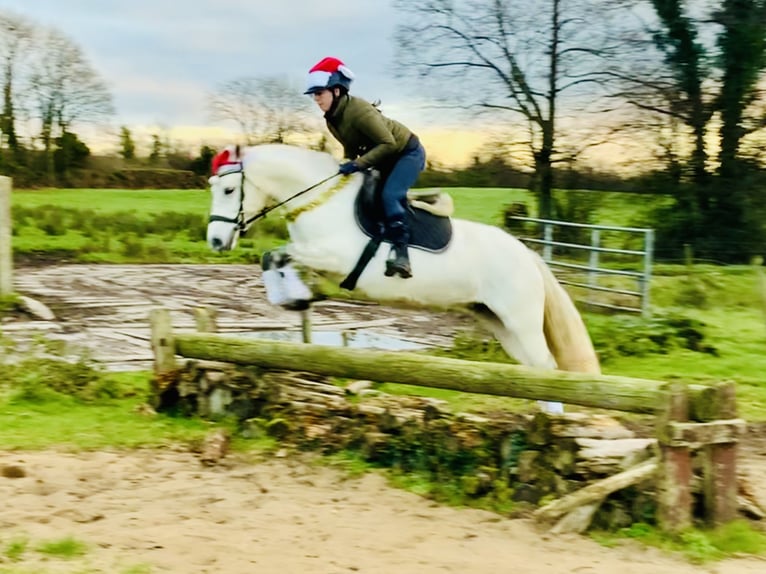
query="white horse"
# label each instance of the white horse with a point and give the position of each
(509, 285)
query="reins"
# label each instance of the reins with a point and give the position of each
(266, 210)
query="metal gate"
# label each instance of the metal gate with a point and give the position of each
(611, 264)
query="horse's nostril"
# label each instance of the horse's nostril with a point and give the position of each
(216, 243)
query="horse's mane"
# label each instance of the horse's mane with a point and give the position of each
(307, 159)
(275, 154)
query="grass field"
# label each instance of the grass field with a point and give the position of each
(139, 201)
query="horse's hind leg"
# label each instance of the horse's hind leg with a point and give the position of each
(528, 346)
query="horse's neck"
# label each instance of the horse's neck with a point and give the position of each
(282, 170)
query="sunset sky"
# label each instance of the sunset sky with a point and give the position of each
(161, 58)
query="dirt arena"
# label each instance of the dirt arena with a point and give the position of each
(161, 511)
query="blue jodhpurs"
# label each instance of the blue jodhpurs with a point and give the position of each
(402, 177)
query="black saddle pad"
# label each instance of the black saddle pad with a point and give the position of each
(428, 232)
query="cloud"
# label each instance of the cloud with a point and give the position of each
(161, 58)
(192, 46)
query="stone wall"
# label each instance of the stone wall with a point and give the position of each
(510, 462)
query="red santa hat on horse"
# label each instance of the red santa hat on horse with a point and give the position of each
(228, 160)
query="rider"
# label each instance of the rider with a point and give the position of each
(370, 139)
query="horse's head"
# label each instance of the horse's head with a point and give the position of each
(232, 200)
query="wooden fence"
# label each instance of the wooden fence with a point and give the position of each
(690, 418)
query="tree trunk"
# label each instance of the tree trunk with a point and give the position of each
(548, 126)
(9, 117)
(544, 169)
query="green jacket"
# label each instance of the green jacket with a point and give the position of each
(368, 137)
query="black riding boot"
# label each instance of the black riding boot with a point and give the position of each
(399, 264)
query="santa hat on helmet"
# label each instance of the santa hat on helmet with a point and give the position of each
(328, 73)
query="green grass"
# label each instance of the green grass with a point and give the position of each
(486, 204)
(609, 208)
(78, 407)
(697, 545)
(54, 553)
(28, 425)
(142, 202)
(93, 225)
(471, 203)
(477, 204)
(67, 547)
(15, 549)
(8, 303)
(127, 226)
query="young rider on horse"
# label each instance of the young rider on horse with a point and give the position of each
(370, 139)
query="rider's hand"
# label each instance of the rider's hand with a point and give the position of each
(348, 168)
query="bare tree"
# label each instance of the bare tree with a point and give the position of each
(265, 109)
(529, 58)
(16, 37)
(65, 88)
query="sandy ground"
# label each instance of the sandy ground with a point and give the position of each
(150, 511)
(162, 511)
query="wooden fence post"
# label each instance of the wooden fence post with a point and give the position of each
(163, 342)
(205, 319)
(547, 246)
(674, 498)
(306, 325)
(164, 347)
(6, 253)
(719, 463)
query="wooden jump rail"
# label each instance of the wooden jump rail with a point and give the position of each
(689, 417)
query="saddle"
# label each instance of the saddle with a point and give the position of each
(427, 214)
(427, 217)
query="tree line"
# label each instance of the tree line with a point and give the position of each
(682, 76)
(50, 87)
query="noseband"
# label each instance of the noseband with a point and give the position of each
(239, 220)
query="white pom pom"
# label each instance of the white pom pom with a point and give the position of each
(346, 72)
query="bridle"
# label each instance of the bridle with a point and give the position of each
(240, 221)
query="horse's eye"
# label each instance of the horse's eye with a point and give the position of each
(228, 190)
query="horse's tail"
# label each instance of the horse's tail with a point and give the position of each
(564, 328)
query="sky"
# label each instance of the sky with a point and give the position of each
(160, 58)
